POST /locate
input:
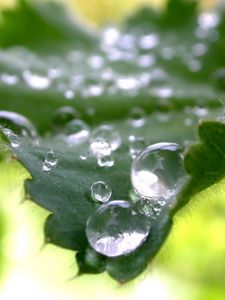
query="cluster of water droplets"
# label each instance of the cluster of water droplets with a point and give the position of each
(117, 227)
(146, 55)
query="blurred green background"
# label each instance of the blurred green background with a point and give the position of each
(191, 264)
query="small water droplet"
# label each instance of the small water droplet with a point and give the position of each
(127, 83)
(188, 122)
(20, 125)
(100, 191)
(116, 228)
(96, 62)
(13, 138)
(63, 115)
(157, 171)
(51, 160)
(208, 20)
(100, 147)
(136, 145)
(36, 81)
(146, 61)
(148, 41)
(199, 49)
(162, 92)
(9, 79)
(75, 132)
(109, 134)
(137, 117)
(69, 94)
(83, 156)
(106, 161)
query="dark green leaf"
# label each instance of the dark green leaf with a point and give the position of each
(187, 80)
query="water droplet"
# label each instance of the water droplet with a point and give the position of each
(75, 132)
(51, 160)
(100, 191)
(63, 115)
(106, 161)
(200, 112)
(136, 145)
(188, 122)
(137, 117)
(127, 83)
(148, 41)
(157, 171)
(36, 81)
(168, 53)
(83, 156)
(208, 20)
(9, 79)
(69, 94)
(116, 228)
(96, 62)
(20, 125)
(162, 92)
(109, 134)
(194, 66)
(12, 137)
(100, 147)
(146, 61)
(199, 49)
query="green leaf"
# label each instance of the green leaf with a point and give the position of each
(204, 161)
(169, 89)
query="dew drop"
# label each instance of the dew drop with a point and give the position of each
(116, 228)
(149, 41)
(109, 134)
(157, 171)
(100, 147)
(12, 137)
(9, 79)
(63, 115)
(51, 160)
(136, 145)
(69, 94)
(137, 117)
(20, 125)
(146, 61)
(100, 191)
(75, 132)
(106, 161)
(36, 81)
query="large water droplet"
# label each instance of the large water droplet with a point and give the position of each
(116, 228)
(19, 124)
(157, 171)
(51, 160)
(109, 134)
(100, 191)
